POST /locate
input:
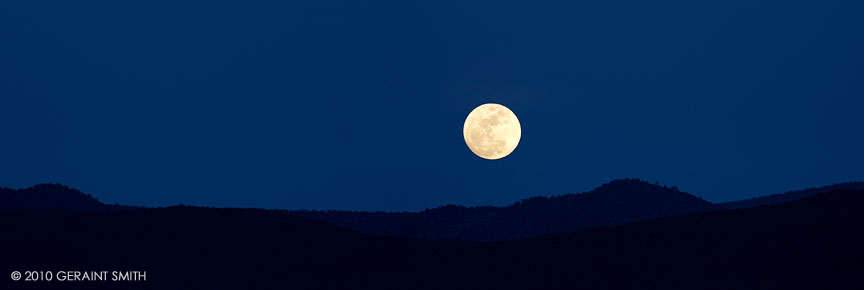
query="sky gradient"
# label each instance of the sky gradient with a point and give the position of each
(360, 104)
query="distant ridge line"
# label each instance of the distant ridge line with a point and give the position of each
(790, 195)
(9, 200)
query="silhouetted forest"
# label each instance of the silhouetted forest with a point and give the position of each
(812, 243)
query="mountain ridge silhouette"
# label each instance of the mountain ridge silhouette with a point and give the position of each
(790, 195)
(810, 243)
(617, 202)
(53, 196)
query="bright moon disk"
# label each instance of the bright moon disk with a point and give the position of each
(492, 131)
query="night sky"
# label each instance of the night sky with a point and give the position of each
(360, 105)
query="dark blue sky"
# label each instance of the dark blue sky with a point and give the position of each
(360, 105)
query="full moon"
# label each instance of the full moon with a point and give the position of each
(492, 131)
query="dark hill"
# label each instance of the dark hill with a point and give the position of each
(49, 196)
(615, 203)
(790, 196)
(812, 243)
